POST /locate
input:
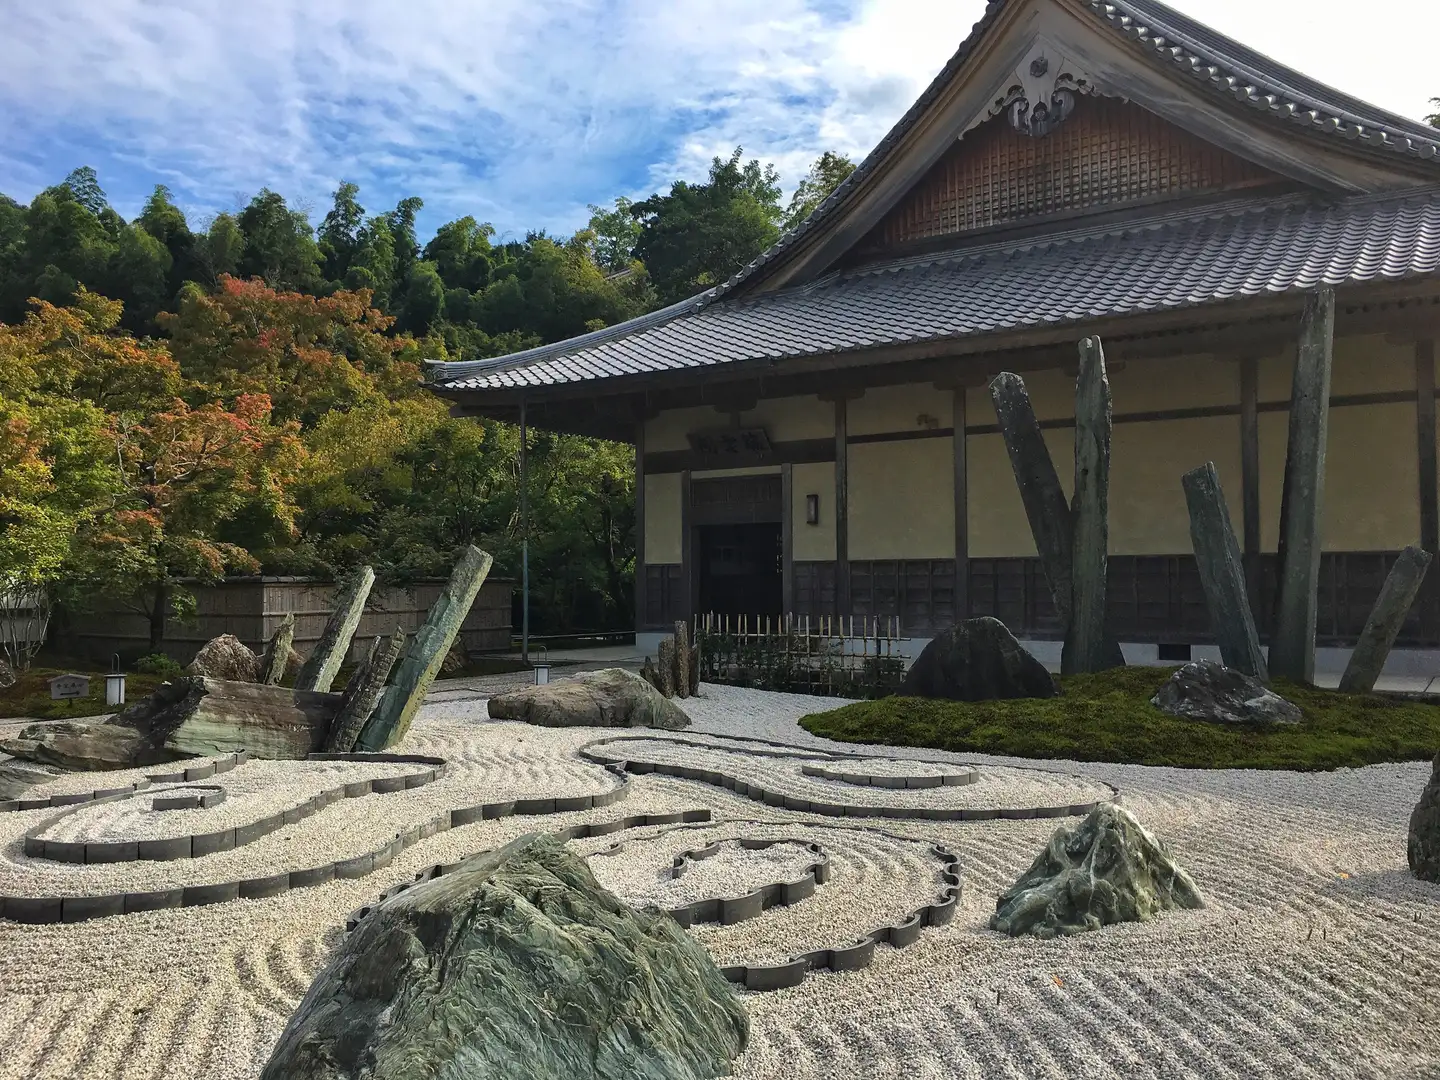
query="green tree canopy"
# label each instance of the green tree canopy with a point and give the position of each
(828, 173)
(279, 244)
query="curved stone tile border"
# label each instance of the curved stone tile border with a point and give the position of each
(834, 809)
(204, 797)
(222, 764)
(728, 910)
(171, 848)
(57, 909)
(857, 954)
(898, 783)
(574, 832)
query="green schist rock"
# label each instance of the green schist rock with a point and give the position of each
(515, 966)
(277, 652)
(402, 698)
(611, 697)
(1107, 869)
(330, 651)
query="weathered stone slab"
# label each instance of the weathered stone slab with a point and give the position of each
(1085, 649)
(211, 716)
(1423, 843)
(83, 747)
(1292, 646)
(1106, 869)
(979, 660)
(326, 659)
(226, 657)
(612, 697)
(1393, 604)
(391, 718)
(516, 965)
(361, 694)
(682, 660)
(1222, 572)
(277, 652)
(666, 652)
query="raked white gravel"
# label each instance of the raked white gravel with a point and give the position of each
(1317, 956)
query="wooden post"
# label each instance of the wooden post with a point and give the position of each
(1222, 573)
(1425, 444)
(842, 511)
(640, 584)
(787, 538)
(689, 583)
(961, 591)
(1085, 651)
(1398, 593)
(1292, 648)
(1045, 504)
(1250, 476)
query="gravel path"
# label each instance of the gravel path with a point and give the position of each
(1316, 957)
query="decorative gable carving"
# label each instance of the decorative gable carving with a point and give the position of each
(1082, 152)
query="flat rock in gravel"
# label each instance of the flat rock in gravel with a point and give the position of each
(1107, 869)
(979, 660)
(1423, 846)
(86, 747)
(1207, 690)
(611, 697)
(17, 776)
(226, 657)
(515, 966)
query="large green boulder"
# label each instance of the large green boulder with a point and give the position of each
(611, 697)
(1107, 869)
(515, 966)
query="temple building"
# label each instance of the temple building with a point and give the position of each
(816, 435)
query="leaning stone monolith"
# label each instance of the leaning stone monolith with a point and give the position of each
(402, 698)
(1423, 846)
(1107, 869)
(1222, 573)
(277, 652)
(515, 965)
(1388, 615)
(326, 659)
(361, 694)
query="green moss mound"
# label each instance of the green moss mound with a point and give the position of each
(1108, 717)
(30, 696)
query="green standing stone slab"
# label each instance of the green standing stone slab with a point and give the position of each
(319, 671)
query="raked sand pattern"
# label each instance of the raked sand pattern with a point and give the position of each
(1317, 956)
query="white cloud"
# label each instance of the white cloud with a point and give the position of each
(517, 112)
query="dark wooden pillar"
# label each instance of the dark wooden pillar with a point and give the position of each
(842, 512)
(962, 511)
(787, 539)
(1425, 444)
(1250, 477)
(640, 600)
(689, 579)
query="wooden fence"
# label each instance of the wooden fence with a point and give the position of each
(252, 608)
(851, 657)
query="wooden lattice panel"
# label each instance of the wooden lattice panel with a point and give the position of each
(1107, 153)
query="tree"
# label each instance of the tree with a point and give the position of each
(402, 229)
(616, 234)
(185, 474)
(279, 245)
(461, 253)
(372, 265)
(219, 251)
(1434, 118)
(424, 302)
(340, 231)
(306, 355)
(84, 186)
(699, 235)
(826, 174)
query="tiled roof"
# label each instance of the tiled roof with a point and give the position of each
(1162, 263)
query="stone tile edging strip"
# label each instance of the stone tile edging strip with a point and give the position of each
(835, 809)
(204, 797)
(896, 782)
(196, 845)
(214, 767)
(574, 832)
(728, 910)
(58, 909)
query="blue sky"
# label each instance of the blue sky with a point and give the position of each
(522, 113)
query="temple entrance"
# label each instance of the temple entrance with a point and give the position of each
(740, 570)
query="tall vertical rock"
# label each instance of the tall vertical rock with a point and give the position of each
(277, 652)
(318, 672)
(1398, 593)
(362, 693)
(402, 698)
(682, 660)
(1085, 643)
(1222, 572)
(1292, 646)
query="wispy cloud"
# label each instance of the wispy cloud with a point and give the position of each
(516, 112)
